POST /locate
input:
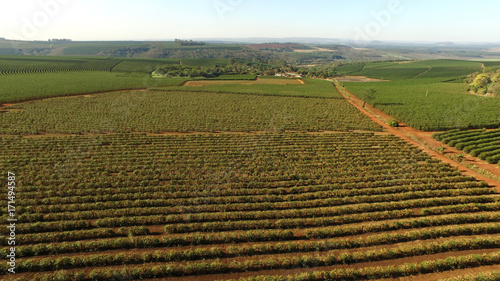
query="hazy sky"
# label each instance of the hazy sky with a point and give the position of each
(409, 20)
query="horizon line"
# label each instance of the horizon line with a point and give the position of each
(271, 40)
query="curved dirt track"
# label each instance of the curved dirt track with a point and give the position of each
(423, 140)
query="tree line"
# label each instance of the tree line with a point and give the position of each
(189, 42)
(487, 82)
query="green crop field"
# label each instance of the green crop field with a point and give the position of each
(349, 68)
(180, 111)
(35, 86)
(27, 77)
(311, 88)
(429, 95)
(392, 71)
(142, 65)
(93, 48)
(14, 65)
(263, 179)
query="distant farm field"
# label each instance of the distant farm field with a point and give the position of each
(428, 95)
(28, 78)
(35, 86)
(93, 48)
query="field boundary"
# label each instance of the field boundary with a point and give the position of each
(422, 73)
(111, 69)
(3, 105)
(320, 132)
(256, 81)
(422, 140)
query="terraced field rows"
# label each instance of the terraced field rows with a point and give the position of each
(29, 65)
(176, 111)
(484, 144)
(139, 206)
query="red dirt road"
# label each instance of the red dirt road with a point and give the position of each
(423, 140)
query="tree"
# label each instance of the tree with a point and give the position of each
(269, 72)
(394, 123)
(368, 95)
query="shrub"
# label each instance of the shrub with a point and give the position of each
(393, 123)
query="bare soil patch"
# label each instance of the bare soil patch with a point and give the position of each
(359, 79)
(361, 49)
(314, 49)
(4, 110)
(488, 95)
